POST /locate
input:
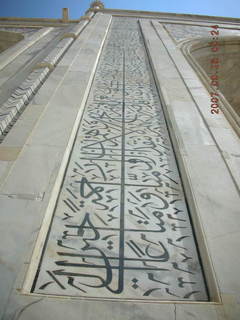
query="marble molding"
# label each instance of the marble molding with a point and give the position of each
(11, 109)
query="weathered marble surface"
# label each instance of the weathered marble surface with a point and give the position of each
(10, 36)
(121, 227)
(182, 32)
(228, 70)
(35, 170)
(40, 157)
(8, 39)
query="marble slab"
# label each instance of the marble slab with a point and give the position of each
(121, 227)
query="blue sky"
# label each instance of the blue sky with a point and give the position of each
(53, 8)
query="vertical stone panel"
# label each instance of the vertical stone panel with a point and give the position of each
(121, 228)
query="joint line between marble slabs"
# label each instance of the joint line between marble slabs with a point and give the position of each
(24, 196)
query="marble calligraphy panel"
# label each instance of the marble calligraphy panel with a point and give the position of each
(121, 228)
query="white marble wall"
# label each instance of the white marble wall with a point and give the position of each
(34, 155)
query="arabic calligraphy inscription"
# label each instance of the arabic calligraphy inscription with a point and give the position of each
(121, 228)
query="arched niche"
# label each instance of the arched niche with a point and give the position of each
(8, 39)
(199, 53)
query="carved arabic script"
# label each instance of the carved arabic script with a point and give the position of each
(121, 227)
